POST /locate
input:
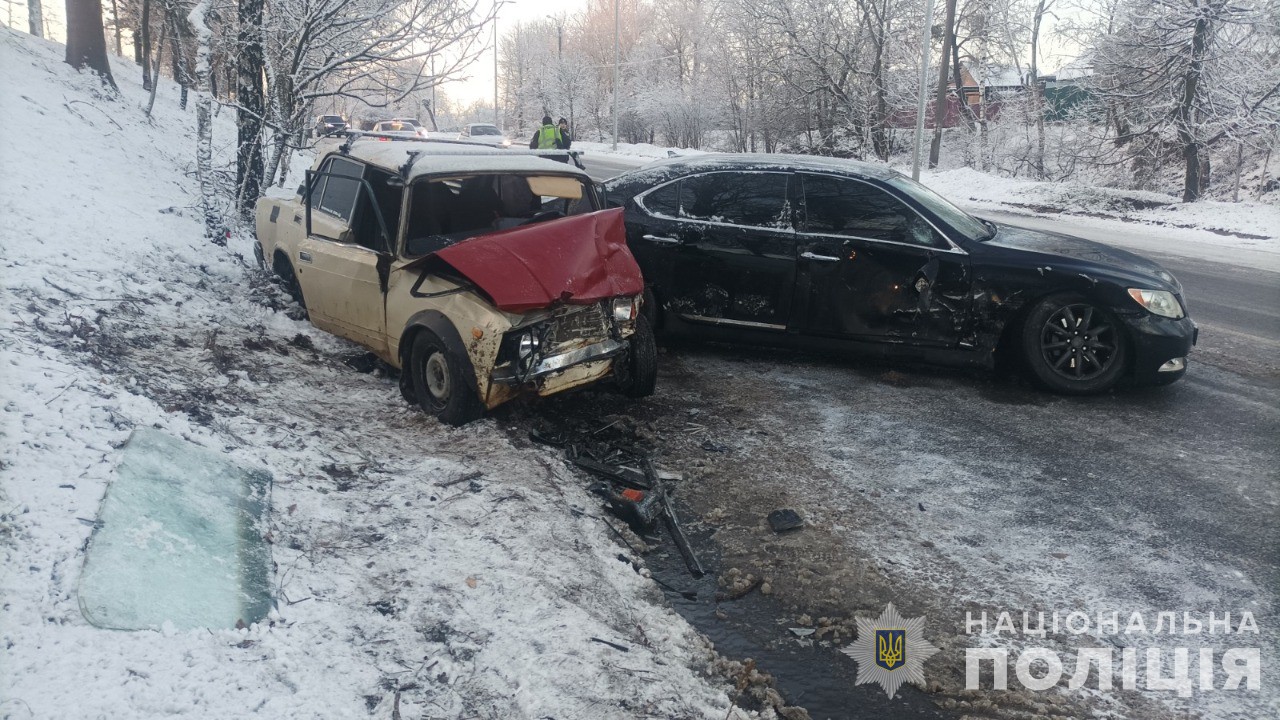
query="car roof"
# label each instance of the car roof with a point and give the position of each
(442, 157)
(682, 165)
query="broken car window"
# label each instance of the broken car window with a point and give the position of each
(444, 211)
(179, 539)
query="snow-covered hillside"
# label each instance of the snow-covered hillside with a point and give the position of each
(397, 584)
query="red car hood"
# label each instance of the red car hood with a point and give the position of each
(577, 260)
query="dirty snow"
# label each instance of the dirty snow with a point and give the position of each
(439, 571)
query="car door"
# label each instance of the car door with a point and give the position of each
(341, 264)
(719, 247)
(872, 268)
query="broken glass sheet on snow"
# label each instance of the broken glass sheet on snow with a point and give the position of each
(179, 538)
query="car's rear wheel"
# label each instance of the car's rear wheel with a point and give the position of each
(638, 376)
(440, 381)
(1073, 346)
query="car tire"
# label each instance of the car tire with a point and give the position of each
(284, 270)
(649, 308)
(639, 376)
(1073, 346)
(440, 383)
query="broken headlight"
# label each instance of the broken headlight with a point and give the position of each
(625, 309)
(527, 347)
(1159, 302)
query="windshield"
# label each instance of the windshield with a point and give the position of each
(331, 119)
(962, 222)
(444, 211)
(484, 130)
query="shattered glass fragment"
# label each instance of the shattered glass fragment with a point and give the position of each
(179, 539)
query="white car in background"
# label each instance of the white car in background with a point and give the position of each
(486, 133)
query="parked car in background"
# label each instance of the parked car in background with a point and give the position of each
(482, 275)
(819, 252)
(484, 133)
(399, 127)
(327, 125)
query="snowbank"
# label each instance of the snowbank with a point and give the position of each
(1245, 225)
(441, 571)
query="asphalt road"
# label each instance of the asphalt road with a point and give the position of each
(949, 491)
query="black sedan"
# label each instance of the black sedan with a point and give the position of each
(835, 254)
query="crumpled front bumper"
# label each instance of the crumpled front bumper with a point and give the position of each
(551, 364)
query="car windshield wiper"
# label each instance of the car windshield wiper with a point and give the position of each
(991, 226)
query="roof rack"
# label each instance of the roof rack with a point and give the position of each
(354, 135)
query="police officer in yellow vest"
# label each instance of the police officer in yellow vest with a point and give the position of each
(546, 137)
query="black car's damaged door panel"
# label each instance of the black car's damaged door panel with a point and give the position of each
(872, 268)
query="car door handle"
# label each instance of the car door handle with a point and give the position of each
(304, 256)
(662, 240)
(819, 258)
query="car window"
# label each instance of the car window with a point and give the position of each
(847, 207)
(746, 198)
(338, 195)
(365, 228)
(664, 201)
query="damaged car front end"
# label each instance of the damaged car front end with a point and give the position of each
(481, 277)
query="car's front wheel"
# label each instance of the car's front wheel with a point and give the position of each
(440, 381)
(638, 375)
(1074, 346)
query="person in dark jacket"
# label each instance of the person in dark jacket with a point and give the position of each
(546, 137)
(566, 139)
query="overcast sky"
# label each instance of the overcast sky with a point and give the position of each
(480, 84)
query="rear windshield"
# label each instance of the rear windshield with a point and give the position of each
(331, 118)
(484, 130)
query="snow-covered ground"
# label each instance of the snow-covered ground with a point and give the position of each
(399, 584)
(403, 579)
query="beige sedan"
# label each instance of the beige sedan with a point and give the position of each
(481, 274)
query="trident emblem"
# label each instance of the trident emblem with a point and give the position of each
(890, 650)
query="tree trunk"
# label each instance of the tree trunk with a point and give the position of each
(879, 136)
(145, 28)
(1192, 184)
(1037, 90)
(940, 99)
(35, 18)
(115, 25)
(204, 125)
(249, 102)
(151, 100)
(86, 41)
(179, 57)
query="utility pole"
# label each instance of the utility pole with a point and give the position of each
(497, 119)
(615, 73)
(924, 88)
